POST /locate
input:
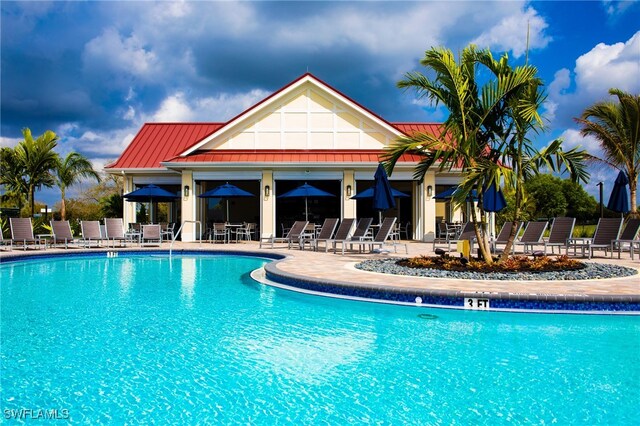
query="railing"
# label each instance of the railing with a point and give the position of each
(199, 234)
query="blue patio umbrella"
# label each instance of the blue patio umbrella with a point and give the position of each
(226, 191)
(619, 199)
(368, 193)
(447, 194)
(307, 191)
(149, 194)
(493, 199)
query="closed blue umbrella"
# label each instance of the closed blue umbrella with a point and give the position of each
(226, 191)
(619, 199)
(149, 194)
(382, 193)
(493, 199)
(306, 191)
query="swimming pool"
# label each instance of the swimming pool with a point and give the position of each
(193, 339)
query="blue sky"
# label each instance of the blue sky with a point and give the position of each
(94, 72)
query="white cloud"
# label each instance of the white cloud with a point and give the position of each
(112, 51)
(179, 107)
(616, 7)
(9, 142)
(603, 67)
(510, 34)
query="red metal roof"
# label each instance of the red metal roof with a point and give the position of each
(287, 156)
(156, 142)
(160, 142)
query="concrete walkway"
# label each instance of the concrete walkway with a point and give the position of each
(327, 267)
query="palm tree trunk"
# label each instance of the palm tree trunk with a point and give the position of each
(633, 190)
(514, 227)
(31, 199)
(63, 206)
(480, 237)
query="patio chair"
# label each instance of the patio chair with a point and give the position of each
(292, 236)
(341, 234)
(245, 232)
(151, 235)
(114, 231)
(532, 235)
(361, 233)
(381, 237)
(503, 235)
(628, 237)
(445, 234)
(607, 231)
(561, 232)
(219, 230)
(22, 233)
(325, 234)
(61, 230)
(166, 230)
(91, 233)
(406, 230)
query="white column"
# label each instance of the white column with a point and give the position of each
(188, 206)
(429, 219)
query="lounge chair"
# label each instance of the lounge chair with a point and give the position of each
(341, 234)
(151, 235)
(628, 237)
(607, 231)
(22, 233)
(61, 230)
(325, 234)
(292, 236)
(561, 232)
(114, 229)
(360, 234)
(381, 237)
(5, 241)
(91, 233)
(532, 235)
(503, 235)
(467, 232)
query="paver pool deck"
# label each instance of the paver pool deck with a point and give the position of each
(329, 267)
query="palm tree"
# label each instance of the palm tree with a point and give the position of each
(12, 175)
(617, 127)
(474, 124)
(485, 133)
(38, 159)
(70, 171)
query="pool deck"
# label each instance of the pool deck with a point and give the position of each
(329, 268)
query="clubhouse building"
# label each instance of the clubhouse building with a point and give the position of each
(306, 132)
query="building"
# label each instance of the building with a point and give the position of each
(305, 132)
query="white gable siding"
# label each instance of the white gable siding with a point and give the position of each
(305, 119)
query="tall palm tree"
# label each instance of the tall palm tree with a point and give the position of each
(617, 127)
(38, 159)
(468, 136)
(485, 133)
(70, 171)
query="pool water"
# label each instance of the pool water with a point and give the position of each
(193, 339)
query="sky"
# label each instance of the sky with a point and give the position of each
(95, 71)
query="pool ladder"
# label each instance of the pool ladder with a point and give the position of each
(199, 234)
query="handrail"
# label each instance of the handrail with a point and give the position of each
(199, 227)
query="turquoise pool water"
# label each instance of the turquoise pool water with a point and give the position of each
(194, 339)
